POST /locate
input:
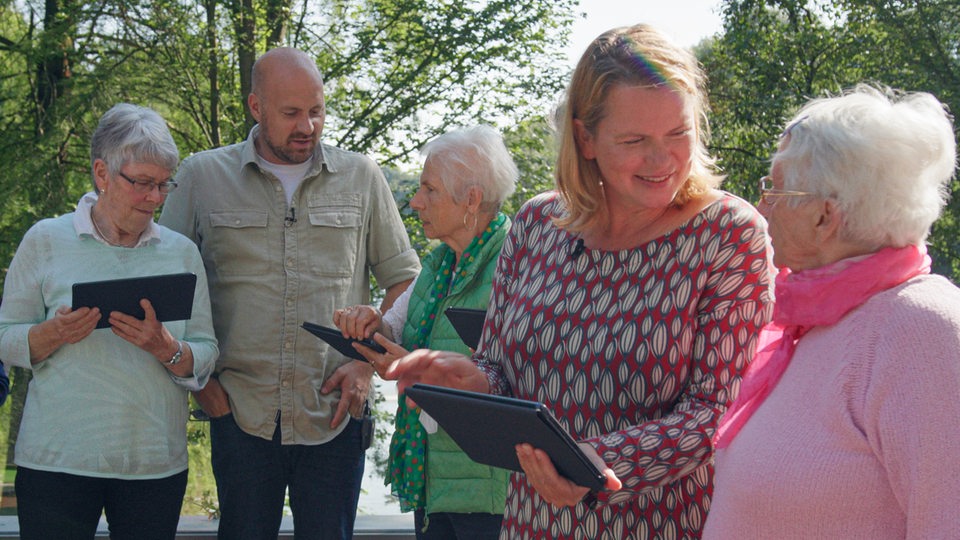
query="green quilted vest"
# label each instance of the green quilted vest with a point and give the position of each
(455, 483)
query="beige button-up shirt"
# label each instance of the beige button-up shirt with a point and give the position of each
(271, 267)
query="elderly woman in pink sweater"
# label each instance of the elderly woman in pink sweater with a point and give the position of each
(848, 422)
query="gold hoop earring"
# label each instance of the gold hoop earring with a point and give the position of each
(472, 229)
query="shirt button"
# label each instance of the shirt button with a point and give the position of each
(236, 222)
(284, 384)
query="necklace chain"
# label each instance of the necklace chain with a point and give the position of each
(103, 236)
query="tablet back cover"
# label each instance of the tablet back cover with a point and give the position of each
(335, 339)
(488, 428)
(170, 294)
(468, 322)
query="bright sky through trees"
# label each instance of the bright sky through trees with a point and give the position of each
(686, 21)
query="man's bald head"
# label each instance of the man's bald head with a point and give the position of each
(280, 63)
(287, 101)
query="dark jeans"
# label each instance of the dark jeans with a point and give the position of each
(253, 475)
(68, 506)
(451, 526)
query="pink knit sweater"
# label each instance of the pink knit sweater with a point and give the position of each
(861, 437)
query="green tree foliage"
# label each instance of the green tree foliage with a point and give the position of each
(916, 46)
(398, 72)
(771, 57)
(453, 62)
(774, 55)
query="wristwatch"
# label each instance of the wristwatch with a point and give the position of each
(175, 359)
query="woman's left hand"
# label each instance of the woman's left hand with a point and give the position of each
(547, 482)
(148, 334)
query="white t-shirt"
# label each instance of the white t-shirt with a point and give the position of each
(289, 176)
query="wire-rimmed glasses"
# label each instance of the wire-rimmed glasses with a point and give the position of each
(146, 186)
(768, 193)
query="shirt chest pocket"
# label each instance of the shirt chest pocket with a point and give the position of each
(237, 242)
(334, 244)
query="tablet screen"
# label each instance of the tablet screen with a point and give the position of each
(170, 294)
(488, 428)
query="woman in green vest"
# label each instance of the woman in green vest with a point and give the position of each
(466, 177)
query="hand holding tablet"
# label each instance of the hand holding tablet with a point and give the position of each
(488, 428)
(170, 294)
(343, 345)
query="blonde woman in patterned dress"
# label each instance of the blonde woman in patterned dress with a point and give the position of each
(628, 301)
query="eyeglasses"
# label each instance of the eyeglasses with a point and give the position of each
(146, 186)
(768, 192)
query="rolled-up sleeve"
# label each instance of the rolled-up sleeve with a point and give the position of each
(390, 256)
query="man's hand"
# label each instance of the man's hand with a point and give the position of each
(353, 379)
(213, 399)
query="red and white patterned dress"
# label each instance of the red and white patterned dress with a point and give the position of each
(635, 351)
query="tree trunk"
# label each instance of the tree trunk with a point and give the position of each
(213, 73)
(245, 28)
(278, 20)
(53, 70)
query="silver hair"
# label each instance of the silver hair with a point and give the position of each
(475, 156)
(886, 157)
(131, 133)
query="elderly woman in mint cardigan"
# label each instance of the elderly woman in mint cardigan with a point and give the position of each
(104, 423)
(467, 175)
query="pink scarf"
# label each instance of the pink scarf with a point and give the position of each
(817, 297)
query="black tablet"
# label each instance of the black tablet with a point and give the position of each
(170, 294)
(336, 340)
(468, 322)
(488, 428)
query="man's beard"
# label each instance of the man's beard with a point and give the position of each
(293, 157)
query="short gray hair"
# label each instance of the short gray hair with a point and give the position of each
(474, 156)
(131, 133)
(885, 156)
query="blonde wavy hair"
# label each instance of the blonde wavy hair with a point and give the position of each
(633, 56)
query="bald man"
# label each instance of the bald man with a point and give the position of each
(289, 229)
